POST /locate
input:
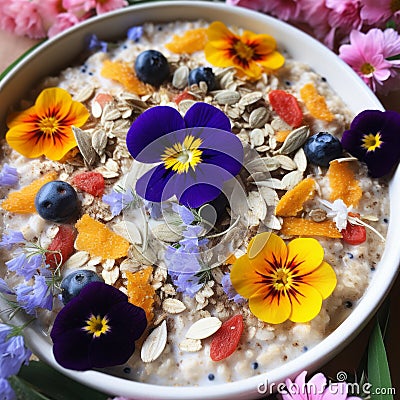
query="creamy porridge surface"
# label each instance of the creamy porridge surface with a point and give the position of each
(262, 346)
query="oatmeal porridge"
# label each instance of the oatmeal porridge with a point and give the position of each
(288, 196)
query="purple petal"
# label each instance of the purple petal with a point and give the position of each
(199, 194)
(135, 33)
(155, 184)
(8, 176)
(203, 114)
(147, 128)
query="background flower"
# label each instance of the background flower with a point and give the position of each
(8, 176)
(98, 328)
(283, 282)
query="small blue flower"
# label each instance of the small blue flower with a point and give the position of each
(11, 238)
(230, 290)
(95, 44)
(25, 266)
(35, 296)
(135, 33)
(4, 288)
(186, 215)
(8, 176)
(6, 390)
(13, 354)
(153, 208)
(118, 201)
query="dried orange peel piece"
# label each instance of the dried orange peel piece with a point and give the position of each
(140, 292)
(293, 226)
(191, 41)
(281, 136)
(291, 203)
(23, 201)
(99, 241)
(343, 183)
(315, 103)
(123, 73)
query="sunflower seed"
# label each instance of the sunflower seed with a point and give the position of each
(318, 215)
(285, 162)
(203, 328)
(290, 180)
(256, 137)
(110, 113)
(84, 142)
(257, 205)
(154, 344)
(262, 149)
(294, 140)
(258, 117)
(279, 124)
(99, 141)
(250, 98)
(184, 105)
(300, 159)
(173, 306)
(227, 97)
(272, 183)
(180, 78)
(129, 265)
(190, 345)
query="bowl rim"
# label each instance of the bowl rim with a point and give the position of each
(328, 347)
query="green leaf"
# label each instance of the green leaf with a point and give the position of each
(19, 59)
(23, 391)
(55, 385)
(378, 368)
(391, 24)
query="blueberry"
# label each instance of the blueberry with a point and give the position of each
(73, 283)
(322, 148)
(57, 201)
(152, 67)
(204, 74)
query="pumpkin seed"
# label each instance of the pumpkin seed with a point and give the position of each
(203, 328)
(154, 344)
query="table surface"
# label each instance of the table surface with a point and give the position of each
(11, 47)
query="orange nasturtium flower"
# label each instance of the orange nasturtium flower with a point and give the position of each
(283, 282)
(45, 128)
(248, 52)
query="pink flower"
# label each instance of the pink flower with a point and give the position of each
(345, 15)
(22, 18)
(366, 54)
(252, 4)
(79, 7)
(49, 10)
(283, 9)
(315, 389)
(104, 6)
(374, 11)
(63, 21)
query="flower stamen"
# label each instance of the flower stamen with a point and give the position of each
(372, 142)
(367, 69)
(97, 325)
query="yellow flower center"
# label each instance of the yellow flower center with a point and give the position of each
(243, 51)
(97, 325)
(367, 69)
(372, 142)
(395, 5)
(48, 125)
(182, 156)
(282, 279)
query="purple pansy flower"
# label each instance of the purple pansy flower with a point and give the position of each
(8, 176)
(11, 238)
(374, 138)
(197, 153)
(97, 328)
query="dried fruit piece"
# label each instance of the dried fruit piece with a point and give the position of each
(292, 201)
(286, 106)
(280, 136)
(95, 238)
(140, 292)
(191, 41)
(23, 201)
(343, 183)
(91, 182)
(354, 234)
(293, 226)
(183, 96)
(315, 103)
(63, 244)
(226, 339)
(231, 259)
(124, 74)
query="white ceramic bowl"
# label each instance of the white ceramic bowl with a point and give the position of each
(64, 49)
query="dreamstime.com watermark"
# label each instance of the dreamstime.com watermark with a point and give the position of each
(340, 386)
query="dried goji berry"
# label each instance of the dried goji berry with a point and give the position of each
(226, 339)
(354, 234)
(183, 96)
(63, 244)
(286, 106)
(90, 182)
